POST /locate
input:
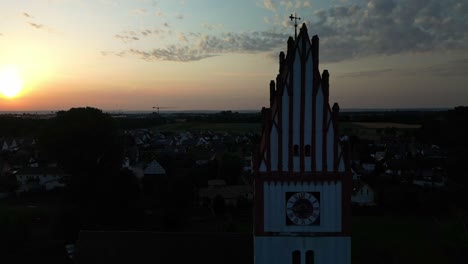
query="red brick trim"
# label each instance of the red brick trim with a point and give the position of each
(290, 120)
(325, 135)
(279, 100)
(302, 106)
(258, 206)
(268, 139)
(346, 203)
(305, 234)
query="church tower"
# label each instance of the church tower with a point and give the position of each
(303, 180)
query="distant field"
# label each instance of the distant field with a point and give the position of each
(395, 239)
(214, 127)
(256, 127)
(374, 125)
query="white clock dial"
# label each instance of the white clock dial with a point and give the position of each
(303, 208)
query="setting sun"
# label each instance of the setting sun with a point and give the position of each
(10, 82)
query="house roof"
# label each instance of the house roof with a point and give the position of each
(227, 192)
(153, 247)
(154, 168)
(41, 171)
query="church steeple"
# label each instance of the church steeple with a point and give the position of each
(299, 102)
(302, 182)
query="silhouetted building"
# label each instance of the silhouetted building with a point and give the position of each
(303, 182)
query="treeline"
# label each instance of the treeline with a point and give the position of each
(31, 126)
(450, 132)
(220, 117)
(145, 121)
(18, 126)
(397, 116)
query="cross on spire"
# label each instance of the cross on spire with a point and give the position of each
(295, 23)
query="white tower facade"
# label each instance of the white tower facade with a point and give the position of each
(303, 180)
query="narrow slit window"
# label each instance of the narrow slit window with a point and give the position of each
(296, 150)
(310, 257)
(296, 257)
(307, 151)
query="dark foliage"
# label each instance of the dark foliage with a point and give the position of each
(20, 126)
(450, 131)
(396, 116)
(81, 138)
(139, 121)
(86, 143)
(221, 117)
(231, 168)
(219, 205)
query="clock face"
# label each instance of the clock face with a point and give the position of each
(302, 208)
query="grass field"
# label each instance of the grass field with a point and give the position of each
(256, 127)
(213, 127)
(375, 239)
(375, 130)
(375, 125)
(395, 239)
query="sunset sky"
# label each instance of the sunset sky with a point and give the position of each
(220, 55)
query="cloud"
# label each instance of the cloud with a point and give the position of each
(34, 25)
(38, 25)
(146, 32)
(453, 68)
(378, 27)
(182, 37)
(297, 5)
(213, 26)
(450, 68)
(287, 5)
(139, 11)
(125, 38)
(385, 27)
(196, 46)
(270, 5)
(133, 35)
(170, 53)
(360, 74)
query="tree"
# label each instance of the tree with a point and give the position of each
(219, 205)
(81, 138)
(86, 144)
(231, 168)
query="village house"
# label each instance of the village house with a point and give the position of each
(432, 178)
(230, 193)
(9, 145)
(37, 178)
(363, 194)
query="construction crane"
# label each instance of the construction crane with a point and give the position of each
(162, 107)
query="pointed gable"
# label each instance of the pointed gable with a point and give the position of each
(154, 168)
(300, 129)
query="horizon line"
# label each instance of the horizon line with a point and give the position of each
(117, 111)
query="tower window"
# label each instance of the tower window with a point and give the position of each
(310, 257)
(296, 257)
(307, 151)
(296, 150)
